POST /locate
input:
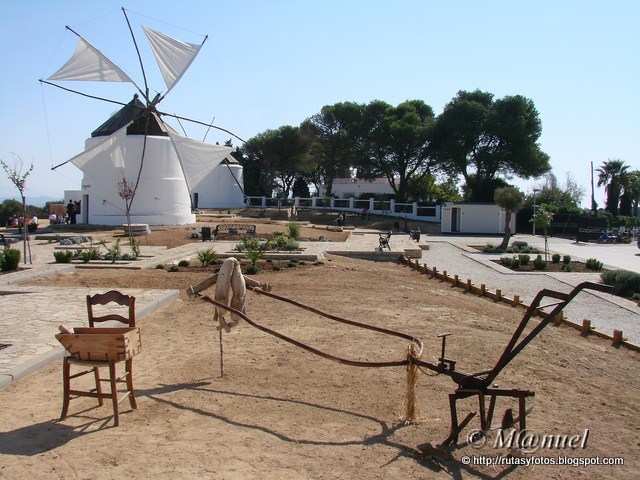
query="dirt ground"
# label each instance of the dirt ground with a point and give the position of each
(282, 412)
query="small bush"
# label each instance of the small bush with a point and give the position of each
(206, 257)
(555, 258)
(10, 260)
(252, 269)
(519, 244)
(294, 230)
(63, 257)
(593, 264)
(183, 263)
(86, 256)
(566, 267)
(506, 261)
(291, 265)
(524, 259)
(159, 267)
(539, 263)
(625, 283)
(515, 263)
(566, 259)
(174, 268)
(276, 268)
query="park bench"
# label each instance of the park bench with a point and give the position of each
(228, 229)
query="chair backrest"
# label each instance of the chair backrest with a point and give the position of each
(112, 296)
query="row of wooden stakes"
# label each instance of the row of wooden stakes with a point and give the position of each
(585, 328)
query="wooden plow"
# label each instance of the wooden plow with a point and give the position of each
(479, 384)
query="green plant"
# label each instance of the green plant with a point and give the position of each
(113, 252)
(593, 264)
(624, 282)
(566, 259)
(506, 261)
(276, 268)
(183, 263)
(206, 257)
(283, 242)
(251, 269)
(10, 260)
(174, 268)
(539, 263)
(294, 230)
(135, 247)
(555, 258)
(519, 244)
(524, 259)
(159, 267)
(87, 255)
(515, 263)
(566, 267)
(63, 256)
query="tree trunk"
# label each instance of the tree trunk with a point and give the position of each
(507, 230)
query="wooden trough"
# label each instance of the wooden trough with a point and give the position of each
(102, 344)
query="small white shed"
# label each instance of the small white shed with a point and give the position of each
(486, 218)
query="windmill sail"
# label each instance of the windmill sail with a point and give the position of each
(197, 158)
(173, 56)
(89, 64)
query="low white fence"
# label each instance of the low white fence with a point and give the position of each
(409, 211)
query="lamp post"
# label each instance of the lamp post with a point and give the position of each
(535, 190)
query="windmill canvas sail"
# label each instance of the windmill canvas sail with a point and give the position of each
(173, 56)
(89, 64)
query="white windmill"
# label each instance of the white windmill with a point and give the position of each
(169, 174)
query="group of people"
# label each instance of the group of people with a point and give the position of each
(18, 221)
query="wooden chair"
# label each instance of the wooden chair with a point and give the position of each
(94, 366)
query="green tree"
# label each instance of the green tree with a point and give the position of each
(482, 139)
(330, 134)
(556, 197)
(630, 192)
(511, 199)
(427, 189)
(542, 219)
(612, 174)
(393, 143)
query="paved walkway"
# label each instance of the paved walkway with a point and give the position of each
(29, 332)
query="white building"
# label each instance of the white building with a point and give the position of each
(355, 187)
(487, 218)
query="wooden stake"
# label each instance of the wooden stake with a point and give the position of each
(586, 327)
(221, 356)
(617, 337)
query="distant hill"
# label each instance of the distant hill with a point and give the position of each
(35, 201)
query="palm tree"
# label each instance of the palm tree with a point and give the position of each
(612, 175)
(630, 193)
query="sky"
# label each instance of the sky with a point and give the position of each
(266, 64)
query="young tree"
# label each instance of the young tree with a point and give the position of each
(482, 139)
(612, 174)
(511, 199)
(127, 191)
(19, 179)
(542, 219)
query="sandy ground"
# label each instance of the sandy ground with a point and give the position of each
(282, 412)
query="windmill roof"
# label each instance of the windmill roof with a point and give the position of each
(135, 111)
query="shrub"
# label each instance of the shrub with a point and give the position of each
(539, 263)
(276, 268)
(519, 244)
(282, 242)
(159, 267)
(489, 248)
(515, 263)
(625, 283)
(593, 264)
(291, 265)
(566, 267)
(506, 261)
(10, 260)
(524, 259)
(183, 263)
(555, 258)
(63, 256)
(174, 268)
(294, 230)
(87, 255)
(251, 269)
(566, 259)
(206, 257)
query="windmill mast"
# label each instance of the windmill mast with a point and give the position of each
(135, 44)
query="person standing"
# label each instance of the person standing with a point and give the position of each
(71, 212)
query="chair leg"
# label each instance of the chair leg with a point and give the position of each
(66, 368)
(96, 374)
(114, 392)
(129, 375)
